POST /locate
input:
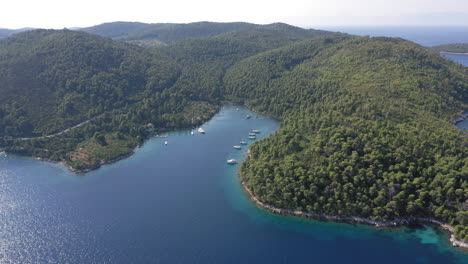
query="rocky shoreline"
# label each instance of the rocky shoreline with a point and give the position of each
(212, 111)
(103, 162)
(359, 220)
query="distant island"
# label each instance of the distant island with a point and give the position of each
(367, 122)
(460, 48)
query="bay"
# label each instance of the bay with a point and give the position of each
(181, 203)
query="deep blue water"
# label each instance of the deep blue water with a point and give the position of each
(181, 203)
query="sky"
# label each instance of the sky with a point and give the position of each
(305, 13)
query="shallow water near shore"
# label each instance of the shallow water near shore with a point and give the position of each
(182, 203)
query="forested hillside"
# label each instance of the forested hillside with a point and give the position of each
(118, 29)
(53, 80)
(367, 129)
(166, 33)
(367, 122)
(50, 80)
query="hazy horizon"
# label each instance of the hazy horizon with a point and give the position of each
(345, 26)
(303, 13)
(425, 35)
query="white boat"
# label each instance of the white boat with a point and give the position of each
(252, 137)
(201, 130)
(256, 131)
(231, 161)
(192, 133)
(248, 116)
(237, 147)
(165, 142)
(252, 134)
(243, 143)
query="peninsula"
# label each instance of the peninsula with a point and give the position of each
(460, 48)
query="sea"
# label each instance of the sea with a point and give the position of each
(182, 203)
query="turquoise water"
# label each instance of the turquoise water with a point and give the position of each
(181, 203)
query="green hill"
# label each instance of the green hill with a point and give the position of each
(367, 129)
(165, 33)
(50, 80)
(168, 33)
(53, 80)
(118, 29)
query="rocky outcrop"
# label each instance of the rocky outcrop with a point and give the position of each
(458, 243)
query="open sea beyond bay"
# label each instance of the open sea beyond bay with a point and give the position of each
(182, 203)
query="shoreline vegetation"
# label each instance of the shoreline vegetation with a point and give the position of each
(458, 119)
(207, 114)
(359, 220)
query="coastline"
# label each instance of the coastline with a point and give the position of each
(103, 162)
(106, 162)
(110, 161)
(359, 220)
(69, 167)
